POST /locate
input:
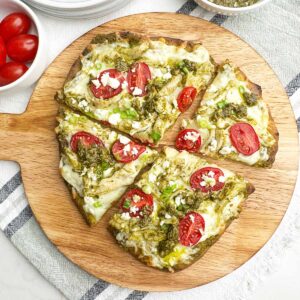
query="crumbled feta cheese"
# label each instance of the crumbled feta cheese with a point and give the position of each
(222, 179)
(213, 145)
(167, 76)
(96, 83)
(126, 149)
(167, 216)
(166, 164)
(124, 85)
(171, 182)
(137, 91)
(124, 140)
(156, 72)
(136, 125)
(177, 200)
(83, 104)
(203, 183)
(134, 151)
(208, 181)
(191, 136)
(114, 119)
(133, 209)
(210, 102)
(192, 218)
(125, 216)
(152, 177)
(136, 198)
(227, 150)
(110, 81)
(211, 174)
(73, 101)
(120, 236)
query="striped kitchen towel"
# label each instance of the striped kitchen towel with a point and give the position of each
(278, 42)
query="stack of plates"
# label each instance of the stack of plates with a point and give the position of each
(77, 8)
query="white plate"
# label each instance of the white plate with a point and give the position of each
(93, 11)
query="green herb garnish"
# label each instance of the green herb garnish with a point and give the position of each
(167, 192)
(155, 136)
(97, 204)
(126, 203)
(129, 113)
(222, 104)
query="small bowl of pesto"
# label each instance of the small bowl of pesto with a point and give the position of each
(231, 7)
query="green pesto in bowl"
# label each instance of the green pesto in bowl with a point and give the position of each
(234, 3)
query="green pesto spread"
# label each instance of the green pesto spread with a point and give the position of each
(234, 3)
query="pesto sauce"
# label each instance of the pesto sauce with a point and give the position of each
(234, 3)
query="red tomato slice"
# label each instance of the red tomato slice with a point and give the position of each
(2, 52)
(137, 203)
(186, 98)
(126, 153)
(189, 140)
(197, 179)
(138, 77)
(11, 71)
(87, 139)
(191, 228)
(106, 92)
(14, 24)
(23, 47)
(244, 138)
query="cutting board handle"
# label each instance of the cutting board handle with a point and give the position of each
(11, 142)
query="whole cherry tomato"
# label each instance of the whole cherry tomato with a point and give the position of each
(22, 48)
(14, 24)
(11, 71)
(2, 52)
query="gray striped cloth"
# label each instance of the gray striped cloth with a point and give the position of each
(275, 33)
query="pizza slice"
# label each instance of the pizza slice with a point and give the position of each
(177, 210)
(137, 84)
(232, 122)
(97, 163)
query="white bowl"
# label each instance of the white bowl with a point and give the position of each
(39, 64)
(230, 11)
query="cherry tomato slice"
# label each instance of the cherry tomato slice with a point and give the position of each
(87, 139)
(14, 24)
(189, 140)
(244, 138)
(138, 77)
(137, 203)
(126, 153)
(106, 91)
(186, 98)
(23, 47)
(11, 71)
(2, 52)
(191, 228)
(208, 179)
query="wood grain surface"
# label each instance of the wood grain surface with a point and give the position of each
(29, 139)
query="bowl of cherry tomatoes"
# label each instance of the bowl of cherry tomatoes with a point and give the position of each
(23, 56)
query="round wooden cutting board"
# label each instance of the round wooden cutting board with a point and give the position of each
(29, 139)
